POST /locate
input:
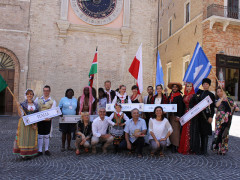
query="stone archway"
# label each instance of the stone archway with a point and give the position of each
(10, 68)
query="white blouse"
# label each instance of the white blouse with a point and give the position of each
(159, 128)
(157, 100)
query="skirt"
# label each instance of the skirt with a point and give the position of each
(25, 143)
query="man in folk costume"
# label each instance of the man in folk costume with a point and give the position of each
(110, 93)
(175, 97)
(44, 127)
(206, 116)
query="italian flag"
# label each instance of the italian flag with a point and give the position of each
(93, 70)
(136, 69)
(3, 84)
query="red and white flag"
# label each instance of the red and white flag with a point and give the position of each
(136, 69)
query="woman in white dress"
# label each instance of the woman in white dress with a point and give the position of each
(160, 129)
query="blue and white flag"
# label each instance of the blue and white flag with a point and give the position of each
(159, 72)
(198, 69)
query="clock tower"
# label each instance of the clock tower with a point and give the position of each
(97, 12)
(97, 16)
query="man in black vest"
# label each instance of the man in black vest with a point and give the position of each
(206, 116)
(110, 93)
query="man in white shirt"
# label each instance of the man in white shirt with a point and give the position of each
(99, 130)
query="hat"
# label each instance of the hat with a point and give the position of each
(170, 85)
(206, 80)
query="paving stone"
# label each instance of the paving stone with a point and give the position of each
(66, 165)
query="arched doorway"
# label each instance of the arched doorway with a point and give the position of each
(9, 70)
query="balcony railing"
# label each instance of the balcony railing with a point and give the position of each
(223, 11)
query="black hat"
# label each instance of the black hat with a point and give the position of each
(206, 80)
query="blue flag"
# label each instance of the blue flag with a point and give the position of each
(198, 69)
(159, 72)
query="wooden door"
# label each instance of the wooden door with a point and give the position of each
(6, 99)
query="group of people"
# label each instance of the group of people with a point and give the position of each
(128, 130)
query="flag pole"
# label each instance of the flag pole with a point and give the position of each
(97, 73)
(15, 99)
(220, 86)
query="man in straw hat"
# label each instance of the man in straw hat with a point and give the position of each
(206, 116)
(175, 97)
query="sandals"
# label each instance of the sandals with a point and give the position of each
(161, 154)
(77, 152)
(152, 154)
(139, 155)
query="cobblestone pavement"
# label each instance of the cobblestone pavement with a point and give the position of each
(66, 165)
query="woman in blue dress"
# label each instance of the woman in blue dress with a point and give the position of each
(68, 105)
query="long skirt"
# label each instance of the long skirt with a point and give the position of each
(221, 119)
(25, 143)
(184, 147)
(175, 136)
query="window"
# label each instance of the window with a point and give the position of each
(187, 12)
(169, 68)
(160, 35)
(186, 61)
(170, 27)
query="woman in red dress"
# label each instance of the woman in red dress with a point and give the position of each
(184, 147)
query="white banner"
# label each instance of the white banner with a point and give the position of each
(166, 107)
(74, 118)
(40, 116)
(126, 107)
(195, 110)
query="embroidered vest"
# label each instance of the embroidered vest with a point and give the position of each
(119, 101)
(44, 105)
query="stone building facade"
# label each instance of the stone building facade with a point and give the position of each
(212, 23)
(49, 44)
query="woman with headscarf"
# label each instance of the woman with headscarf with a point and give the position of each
(85, 101)
(68, 105)
(184, 146)
(25, 143)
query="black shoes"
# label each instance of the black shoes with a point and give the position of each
(39, 154)
(47, 153)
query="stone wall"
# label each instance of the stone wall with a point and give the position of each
(65, 63)
(15, 39)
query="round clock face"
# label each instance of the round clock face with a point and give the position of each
(97, 12)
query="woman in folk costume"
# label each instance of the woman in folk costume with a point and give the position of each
(119, 118)
(175, 97)
(85, 102)
(25, 143)
(121, 96)
(184, 147)
(223, 122)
